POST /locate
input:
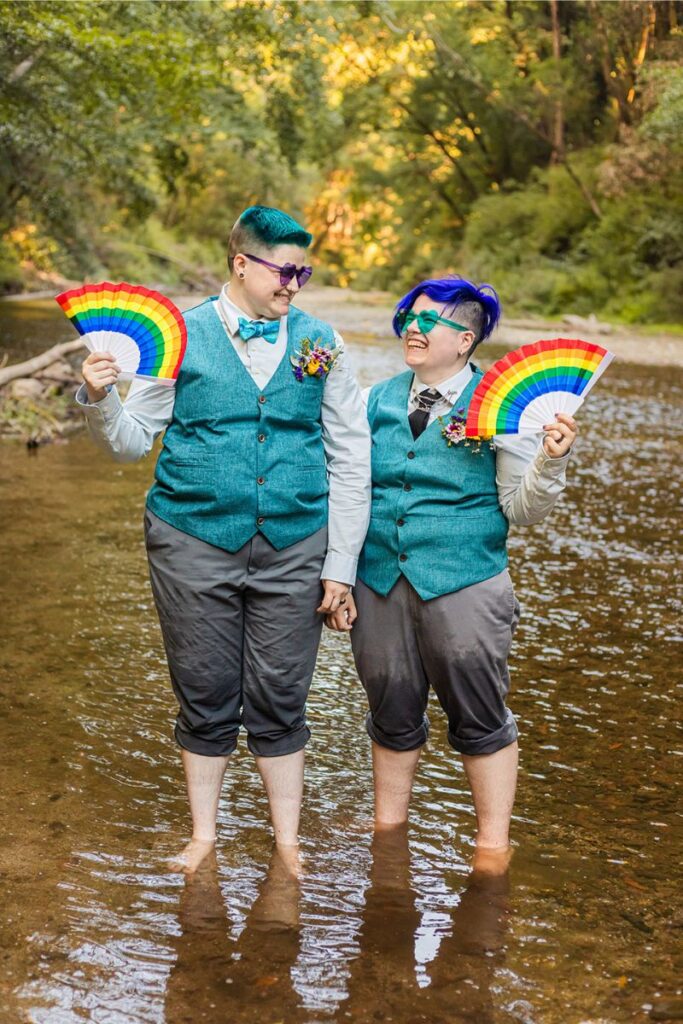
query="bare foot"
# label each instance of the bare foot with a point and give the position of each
(189, 859)
(289, 859)
(491, 860)
(278, 902)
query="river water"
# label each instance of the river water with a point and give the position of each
(586, 928)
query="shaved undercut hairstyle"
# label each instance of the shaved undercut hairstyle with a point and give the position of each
(477, 306)
(264, 227)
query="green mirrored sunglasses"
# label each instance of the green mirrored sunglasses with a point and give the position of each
(426, 320)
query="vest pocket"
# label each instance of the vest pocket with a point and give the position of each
(189, 460)
(189, 478)
(311, 482)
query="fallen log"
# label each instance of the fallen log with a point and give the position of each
(31, 366)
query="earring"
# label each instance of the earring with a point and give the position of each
(242, 275)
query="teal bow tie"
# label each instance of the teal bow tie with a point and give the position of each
(257, 329)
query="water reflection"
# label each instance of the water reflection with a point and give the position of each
(442, 971)
(251, 975)
(457, 974)
(95, 929)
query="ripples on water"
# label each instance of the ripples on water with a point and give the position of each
(96, 929)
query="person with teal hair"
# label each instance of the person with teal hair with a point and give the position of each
(256, 517)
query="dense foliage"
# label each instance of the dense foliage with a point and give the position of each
(533, 144)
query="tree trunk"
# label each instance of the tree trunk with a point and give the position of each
(557, 155)
(31, 366)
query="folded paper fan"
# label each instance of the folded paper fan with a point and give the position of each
(526, 388)
(142, 329)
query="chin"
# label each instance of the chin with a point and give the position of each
(413, 358)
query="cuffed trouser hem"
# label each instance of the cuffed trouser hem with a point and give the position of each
(403, 741)
(488, 744)
(222, 747)
(290, 743)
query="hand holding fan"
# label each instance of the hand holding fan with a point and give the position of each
(143, 330)
(525, 389)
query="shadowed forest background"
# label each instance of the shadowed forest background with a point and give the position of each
(534, 144)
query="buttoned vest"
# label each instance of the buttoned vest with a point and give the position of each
(236, 459)
(435, 514)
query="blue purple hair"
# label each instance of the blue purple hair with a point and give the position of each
(453, 292)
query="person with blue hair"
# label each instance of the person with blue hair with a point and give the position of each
(256, 517)
(434, 605)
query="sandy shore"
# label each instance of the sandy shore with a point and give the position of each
(363, 314)
(369, 313)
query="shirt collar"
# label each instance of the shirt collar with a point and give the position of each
(230, 313)
(450, 388)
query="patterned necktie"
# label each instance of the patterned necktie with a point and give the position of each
(258, 329)
(419, 418)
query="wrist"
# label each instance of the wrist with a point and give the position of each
(95, 394)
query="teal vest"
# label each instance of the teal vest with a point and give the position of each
(236, 460)
(435, 513)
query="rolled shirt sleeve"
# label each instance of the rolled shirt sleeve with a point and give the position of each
(529, 481)
(127, 430)
(346, 439)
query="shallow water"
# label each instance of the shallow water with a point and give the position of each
(29, 326)
(586, 928)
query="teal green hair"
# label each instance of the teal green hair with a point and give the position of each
(274, 227)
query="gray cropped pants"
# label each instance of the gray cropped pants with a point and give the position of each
(457, 644)
(241, 634)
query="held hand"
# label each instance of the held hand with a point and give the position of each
(100, 370)
(336, 596)
(560, 436)
(343, 619)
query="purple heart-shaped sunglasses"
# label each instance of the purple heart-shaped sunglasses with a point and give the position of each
(287, 271)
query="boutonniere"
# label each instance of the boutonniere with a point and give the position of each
(454, 432)
(313, 359)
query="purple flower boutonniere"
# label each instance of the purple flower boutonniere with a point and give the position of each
(454, 432)
(313, 360)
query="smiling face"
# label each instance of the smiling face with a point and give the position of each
(257, 290)
(441, 352)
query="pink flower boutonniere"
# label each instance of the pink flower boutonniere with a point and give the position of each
(454, 432)
(313, 360)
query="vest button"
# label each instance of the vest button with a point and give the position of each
(262, 438)
(411, 455)
(400, 522)
(403, 558)
(407, 487)
(260, 521)
(260, 480)
(262, 399)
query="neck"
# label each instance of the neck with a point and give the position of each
(237, 294)
(436, 376)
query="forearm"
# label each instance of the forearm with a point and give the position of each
(349, 515)
(529, 481)
(127, 431)
(346, 438)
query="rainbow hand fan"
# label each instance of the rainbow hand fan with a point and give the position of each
(526, 388)
(144, 331)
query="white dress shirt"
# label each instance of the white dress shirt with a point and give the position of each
(528, 480)
(127, 431)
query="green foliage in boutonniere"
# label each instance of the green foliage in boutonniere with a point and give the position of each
(313, 359)
(454, 433)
